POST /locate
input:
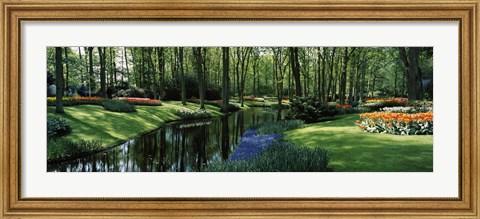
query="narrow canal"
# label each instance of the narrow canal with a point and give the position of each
(176, 147)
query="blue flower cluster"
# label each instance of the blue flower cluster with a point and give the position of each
(252, 144)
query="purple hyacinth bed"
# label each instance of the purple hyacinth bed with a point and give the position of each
(252, 144)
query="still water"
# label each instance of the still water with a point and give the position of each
(176, 147)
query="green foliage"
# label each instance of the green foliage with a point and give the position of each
(280, 157)
(310, 110)
(173, 89)
(118, 106)
(192, 114)
(358, 109)
(278, 127)
(132, 92)
(61, 148)
(57, 127)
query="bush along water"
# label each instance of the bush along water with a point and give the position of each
(397, 123)
(310, 110)
(118, 106)
(57, 127)
(192, 114)
(61, 149)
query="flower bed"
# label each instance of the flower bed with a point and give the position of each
(251, 145)
(253, 99)
(397, 123)
(344, 106)
(141, 101)
(73, 101)
(407, 109)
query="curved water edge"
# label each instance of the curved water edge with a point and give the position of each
(182, 146)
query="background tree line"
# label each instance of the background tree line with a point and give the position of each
(346, 74)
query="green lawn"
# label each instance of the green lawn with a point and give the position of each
(353, 150)
(89, 122)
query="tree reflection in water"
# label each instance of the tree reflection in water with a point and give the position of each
(177, 147)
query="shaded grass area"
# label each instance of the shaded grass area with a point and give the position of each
(353, 150)
(90, 122)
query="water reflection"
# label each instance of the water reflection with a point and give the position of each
(177, 147)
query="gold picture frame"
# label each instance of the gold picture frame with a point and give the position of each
(14, 12)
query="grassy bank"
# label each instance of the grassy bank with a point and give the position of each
(353, 150)
(90, 122)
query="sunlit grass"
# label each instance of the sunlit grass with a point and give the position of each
(353, 150)
(90, 122)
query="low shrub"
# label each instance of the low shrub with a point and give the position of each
(280, 157)
(358, 109)
(397, 123)
(310, 110)
(278, 127)
(132, 92)
(57, 127)
(62, 148)
(118, 106)
(74, 101)
(192, 114)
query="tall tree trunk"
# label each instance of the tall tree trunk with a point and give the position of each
(126, 64)
(237, 72)
(318, 78)
(331, 78)
(343, 79)
(154, 73)
(81, 61)
(161, 70)
(294, 63)
(199, 67)
(225, 81)
(244, 59)
(182, 73)
(110, 84)
(322, 90)
(103, 89)
(411, 69)
(66, 66)
(135, 68)
(91, 84)
(59, 79)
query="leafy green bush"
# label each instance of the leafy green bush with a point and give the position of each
(57, 127)
(278, 127)
(61, 148)
(280, 157)
(118, 106)
(310, 110)
(192, 114)
(358, 109)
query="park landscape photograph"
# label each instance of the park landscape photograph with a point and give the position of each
(239, 109)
